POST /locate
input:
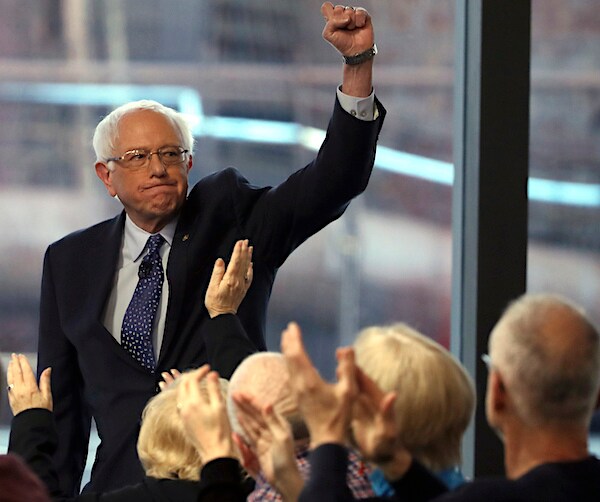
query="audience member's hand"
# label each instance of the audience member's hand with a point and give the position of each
(228, 287)
(326, 407)
(270, 436)
(204, 414)
(374, 428)
(348, 29)
(23, 390)
(168, 378)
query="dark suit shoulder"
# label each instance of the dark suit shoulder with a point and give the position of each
(87, 236)
(215, 195)
(221, 185)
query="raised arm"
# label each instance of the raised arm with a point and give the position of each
(227, 343)
(33, 434)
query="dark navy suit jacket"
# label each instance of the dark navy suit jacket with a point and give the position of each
(93, 376)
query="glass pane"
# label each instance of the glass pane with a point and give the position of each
(564, 189)
(249, 73)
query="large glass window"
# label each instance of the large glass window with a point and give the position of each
(564, 240)
(259, 83)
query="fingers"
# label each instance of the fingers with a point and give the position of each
(241, 260)
(168, 378)
(345, 16)
(276, 423)
(188, 392)
(217, 273)
(19, 371)
(346, 372)
(249, 417)
(292, 345)
(387, 406)
(213, 388)
(327, 10)
(249, 274)
(200, 373)
(45, 387)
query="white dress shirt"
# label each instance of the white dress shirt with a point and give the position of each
(126, 279)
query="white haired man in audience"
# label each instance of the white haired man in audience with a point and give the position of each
(264, 378)
(543, 386)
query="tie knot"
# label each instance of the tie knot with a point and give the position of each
(154, 243)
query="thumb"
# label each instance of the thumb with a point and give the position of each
(45, 387)
(327, 10)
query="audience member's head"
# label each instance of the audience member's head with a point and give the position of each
(547, 355)
(265, 377)
(435, 395)
(163, 447)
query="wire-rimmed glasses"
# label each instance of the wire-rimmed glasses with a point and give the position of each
(140, 158)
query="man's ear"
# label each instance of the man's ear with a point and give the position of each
(498, 394)
(249, 459)
(104, 173)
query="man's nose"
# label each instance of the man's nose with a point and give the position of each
(156, 166)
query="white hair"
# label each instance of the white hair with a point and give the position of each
(107, 130)
(548, 353)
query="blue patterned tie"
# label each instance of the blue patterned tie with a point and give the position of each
(136, 332)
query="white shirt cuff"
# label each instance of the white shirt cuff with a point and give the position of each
(361, 108)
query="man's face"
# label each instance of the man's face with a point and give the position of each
(152, 195)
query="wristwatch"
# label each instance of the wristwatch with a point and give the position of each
(362, 56)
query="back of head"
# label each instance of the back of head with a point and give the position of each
(265, 377)
(435, 395)
(548, 354)
(163, 447)
(107, 130)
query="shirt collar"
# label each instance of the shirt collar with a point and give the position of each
(134, 238)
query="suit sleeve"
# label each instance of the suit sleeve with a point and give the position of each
(227, 343)
(33, 437)
(73, 418)
(286, 215)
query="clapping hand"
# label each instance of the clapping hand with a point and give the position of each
(326, 408)
(269, 435)
(204, 414)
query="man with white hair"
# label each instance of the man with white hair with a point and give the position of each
(121, 301)
(543, 387)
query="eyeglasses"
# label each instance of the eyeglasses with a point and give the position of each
(487, 360)
(138, 159)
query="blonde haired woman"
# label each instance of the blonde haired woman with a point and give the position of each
(435, 396)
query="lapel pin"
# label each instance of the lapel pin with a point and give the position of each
(185, 237)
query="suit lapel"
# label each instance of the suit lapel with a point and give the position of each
(177, 276)
(103, 257)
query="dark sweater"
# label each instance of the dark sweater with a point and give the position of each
(559, 481)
